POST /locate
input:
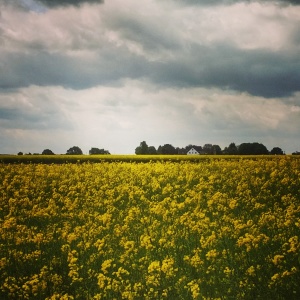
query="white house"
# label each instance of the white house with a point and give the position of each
(192, 151)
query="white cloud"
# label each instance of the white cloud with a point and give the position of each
(149, 28)
(118, 118)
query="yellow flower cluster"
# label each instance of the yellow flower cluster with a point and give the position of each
(215, 229)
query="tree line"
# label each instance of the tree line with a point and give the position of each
(75, 150)
(168, 149)
(210, 149)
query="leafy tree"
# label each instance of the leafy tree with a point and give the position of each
(231, 149)
(216, 149)
(47, 152)
(208, 149)
(245, 149)
(152, 150)
(167, 149)
(98, 151)
(75, 150)
(276, 151)
(181, 151)
(159, 149)
(20, 153)
(142, 148)
(252, 149)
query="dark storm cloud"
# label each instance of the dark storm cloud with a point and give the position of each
(9, 113)
(228, 2)
(257, 72)
(151, 36)
(41, 5)
(18, 118)
(23, 119)
(294, 2)
(207, 2)
(138, 46)
(45, 69)
(53, 3)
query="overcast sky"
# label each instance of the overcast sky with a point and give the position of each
(110, 74)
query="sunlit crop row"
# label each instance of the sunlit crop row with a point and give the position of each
(61, 158)
(217, 229)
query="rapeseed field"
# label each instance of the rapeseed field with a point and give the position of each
(216, 229)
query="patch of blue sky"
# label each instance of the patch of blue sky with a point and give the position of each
(33, 6)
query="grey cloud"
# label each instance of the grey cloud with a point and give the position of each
(207, 2)
(30, 109)
(295, 37)
(254, 71)
(45, 69)
(16, 118)
(167, 58)
(294, 2)
(41, 5)
(53, 3)
(9, 113)
(228, 2)
(257, 72)
(147, 33)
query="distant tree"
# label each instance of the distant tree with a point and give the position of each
(231, 149)
(167, 149)
(245, 149)
(75, 150)
(20, 153)
(252, 149)
(216, 149)
(208, 149)
(47, 152)
(159, 149)
(296, 153)
(152, 150)
(181, 151)
(260, 149)
(98, 151)
(276, 151)
(142, 148)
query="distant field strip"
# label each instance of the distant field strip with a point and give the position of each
(62, 159)
(216, 229)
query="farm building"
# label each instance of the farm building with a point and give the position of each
(195, 150)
